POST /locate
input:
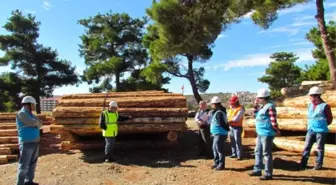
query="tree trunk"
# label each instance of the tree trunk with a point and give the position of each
(328, 49)
(38, 105)
(117, 75)
(192, 78)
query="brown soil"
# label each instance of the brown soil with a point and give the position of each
(174, 166)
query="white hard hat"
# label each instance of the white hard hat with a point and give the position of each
(262, 93)
(315, 90)
(215, 99)
(113, 104)
(28, 99)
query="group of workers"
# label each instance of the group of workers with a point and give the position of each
(214, 127)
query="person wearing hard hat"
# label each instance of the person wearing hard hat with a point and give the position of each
(266, 128)
(235, 118)
(203, 124)
(319, 117)
(28, 127)
(219, 130)
(108, 122)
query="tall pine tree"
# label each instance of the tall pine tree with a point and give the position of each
(38, 66)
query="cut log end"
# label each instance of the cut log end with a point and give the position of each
(172, 136)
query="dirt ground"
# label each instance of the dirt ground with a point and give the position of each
(167, 166)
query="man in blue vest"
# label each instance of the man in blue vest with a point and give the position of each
(108, 122)
(28, 127)
(267, 128)
(319, 117)
(219, 130)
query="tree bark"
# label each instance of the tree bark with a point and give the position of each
(117, 75)
(192, 78)
(328, 49)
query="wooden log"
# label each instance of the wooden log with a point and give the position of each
(172, 136)
(295, 113)
(87, 130)
(8, 139)
(5, 151)
(12, 157)
(12, 116)
(142, 102)
(68, 136)
(298, 146)
(7, 126)
(118, 95)
(89, 112)
(290, 124)
(8, 132)
(11, 146)
(136, 120)
(249, 133)
(303, 101)
(3, 159)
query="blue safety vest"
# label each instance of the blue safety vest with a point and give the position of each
(263, 122)
(317, 120)
(215, 127)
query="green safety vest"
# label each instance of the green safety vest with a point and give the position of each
(111, 120)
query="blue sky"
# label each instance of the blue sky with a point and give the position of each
(241, 53)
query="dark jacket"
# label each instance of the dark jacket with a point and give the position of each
(102, 123)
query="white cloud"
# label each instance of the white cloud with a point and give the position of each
(29, 11)
(248, 15)
(298, 43)
(261, 59)
(221, 36)
(297, 8)
(330, 5)
(283, 29)
(46, 4)
(330, 16)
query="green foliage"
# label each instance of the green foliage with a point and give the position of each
(38, 66)
(281, 72)
(186, 30)
(10, 85)
(266, 11)
(111, 46)
(320, 70)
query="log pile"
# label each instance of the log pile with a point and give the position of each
(9, 137)
(77, 115)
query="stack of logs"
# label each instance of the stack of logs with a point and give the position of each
(151, 111)
(292, 116)
(9, 136)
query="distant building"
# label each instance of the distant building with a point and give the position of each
(48, 104)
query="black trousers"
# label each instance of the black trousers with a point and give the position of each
(205, 142)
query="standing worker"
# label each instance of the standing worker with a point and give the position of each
(319, 117)
(235, 118)
(201, 120)
(219, 129)
(28, 127)
(267, 128)
(108, 122)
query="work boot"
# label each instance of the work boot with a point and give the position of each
(232, 156)
(214, 166)
(254, 174)
(219, 168)
(317, 167)
(31, 183)
(239, 159)
(266, 177)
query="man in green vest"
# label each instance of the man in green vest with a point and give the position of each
(109, 124)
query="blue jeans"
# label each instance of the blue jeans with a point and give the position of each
(320, 139)
(29, 153)
(236, 143)
(109, 145)
(218, 150)
(263, 150)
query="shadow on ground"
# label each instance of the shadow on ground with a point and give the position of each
(319, 180)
